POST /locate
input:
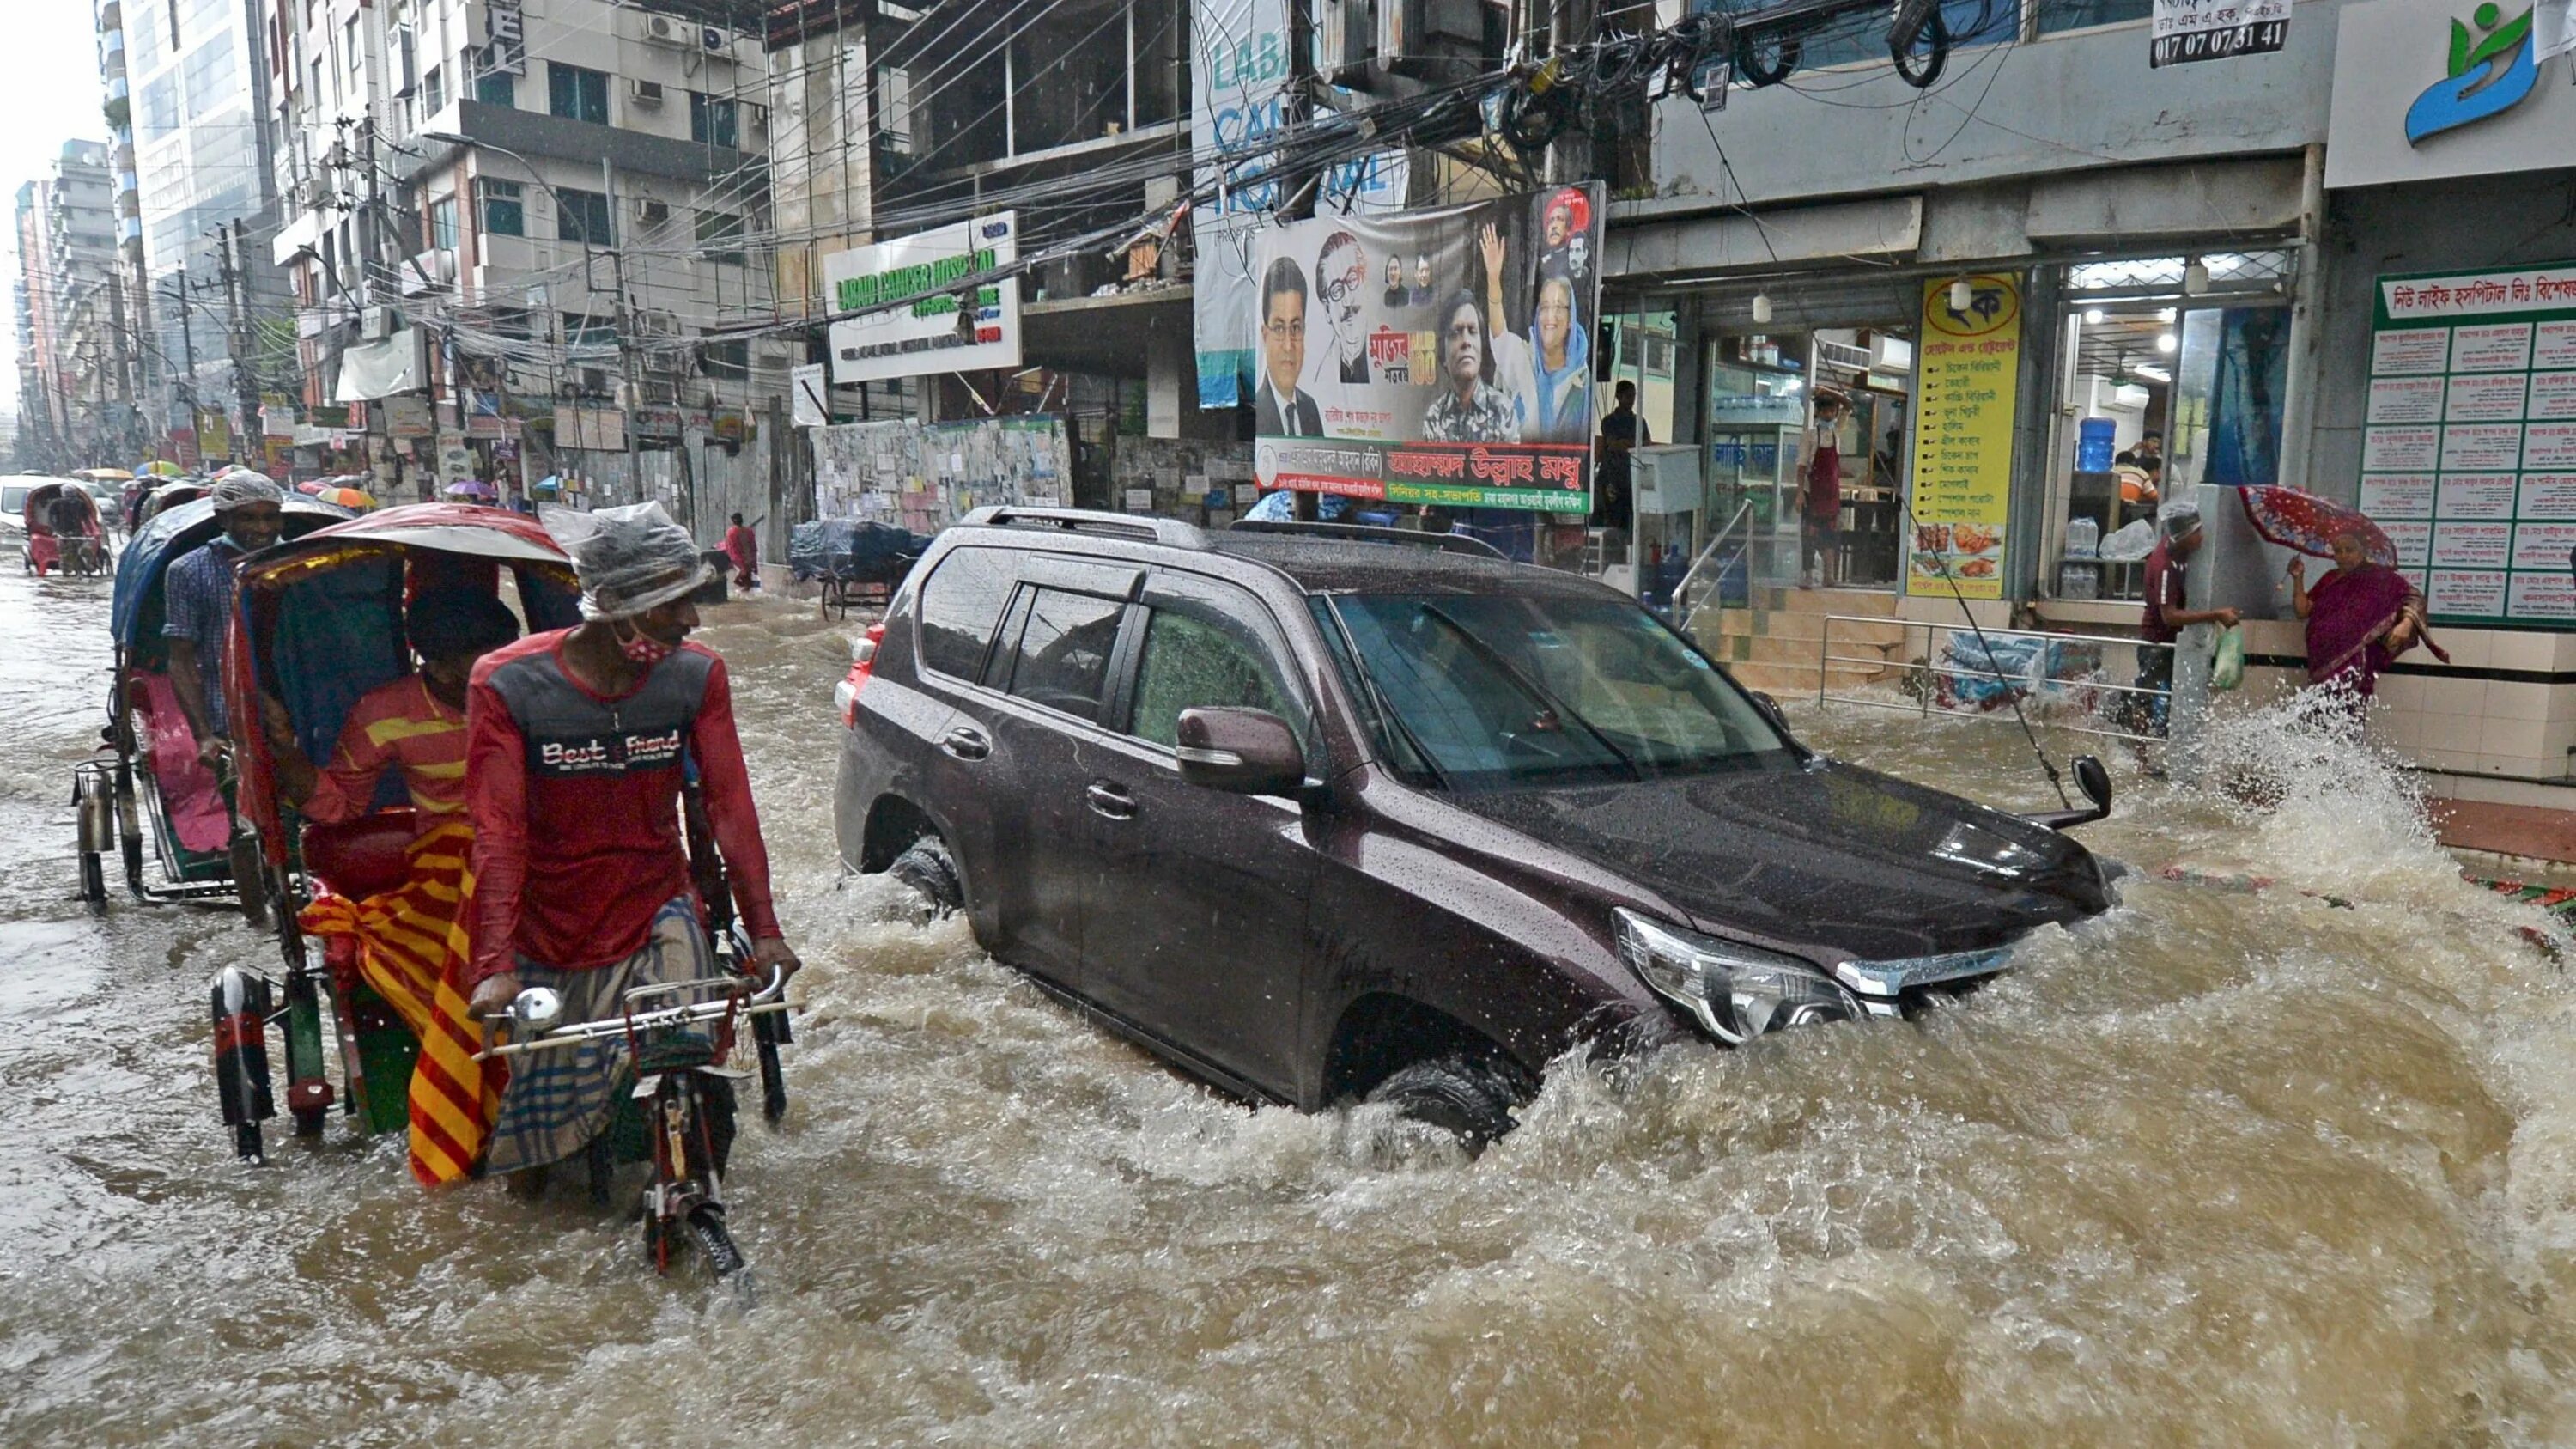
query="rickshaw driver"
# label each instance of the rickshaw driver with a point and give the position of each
(575, 746)
(199, 590)
(415, 724)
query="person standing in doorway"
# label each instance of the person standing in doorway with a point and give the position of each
(1820, 495)
(2167, 585)
(1622, 434)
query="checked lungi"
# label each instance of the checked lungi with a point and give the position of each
(557, 1101)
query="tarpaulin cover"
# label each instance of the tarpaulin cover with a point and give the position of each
(847, 548)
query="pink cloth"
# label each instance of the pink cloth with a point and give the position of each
(189, 794)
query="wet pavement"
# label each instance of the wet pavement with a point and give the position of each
(2219, 1168)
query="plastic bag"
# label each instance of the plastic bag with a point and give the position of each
(2227, 662)
(630, 559)
(2129, 543)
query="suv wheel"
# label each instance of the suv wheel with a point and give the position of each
(927, 867)
(1461, 1096)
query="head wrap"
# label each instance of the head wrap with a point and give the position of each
(2180, 518)
(451, 620)
(244, 486)
(631, 559)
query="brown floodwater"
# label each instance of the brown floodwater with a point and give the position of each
(2223, 1167)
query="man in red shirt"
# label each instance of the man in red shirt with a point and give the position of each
(1820, 494)
(576, 746)
(2168, 565)
(743, 547)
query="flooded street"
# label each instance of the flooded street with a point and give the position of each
(2222, 1167)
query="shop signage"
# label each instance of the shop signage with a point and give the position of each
(1475, 393)
(214, 433)
(596, 429)
(658, 424)
(183, 448)
(2469, 440)
(906, 292)
(505, 43)
(483, 415)
(1238, 106)
(1969, 367)
(2427, 91)
(808, 392)
(2188, 30)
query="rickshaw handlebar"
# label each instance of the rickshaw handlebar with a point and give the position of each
(740, 997)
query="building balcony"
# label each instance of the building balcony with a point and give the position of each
(111, 15)
(539, 136)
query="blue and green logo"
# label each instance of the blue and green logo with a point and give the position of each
(2493, 69)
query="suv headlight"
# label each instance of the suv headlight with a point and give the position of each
(1738, 992)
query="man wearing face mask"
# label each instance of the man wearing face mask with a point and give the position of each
(576, 746)
(199, 592)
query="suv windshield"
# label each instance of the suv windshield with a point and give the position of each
(1505, 689)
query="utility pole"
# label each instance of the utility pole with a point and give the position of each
(625, 338)
(116, 335)
(1298, 105)
(1569, 156)
(245, 386)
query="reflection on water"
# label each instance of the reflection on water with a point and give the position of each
(2222, 1167)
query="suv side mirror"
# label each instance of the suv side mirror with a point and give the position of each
(1241, 751)
(2095, 782)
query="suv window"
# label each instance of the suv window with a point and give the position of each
(1196, 657)
(961, 601)
(1064, 651)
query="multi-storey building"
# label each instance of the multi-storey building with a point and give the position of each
(74, 345)
(205, 203)
(520, 233)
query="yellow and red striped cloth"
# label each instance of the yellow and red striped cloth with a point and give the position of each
(412, 945)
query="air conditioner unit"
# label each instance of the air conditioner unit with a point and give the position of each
(644, 92)
(663, 30)
(594, 379)
(649, 212)
(312, 195)
(376, 323)
(715, 40)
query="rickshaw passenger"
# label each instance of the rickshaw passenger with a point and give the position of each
(415, 724)
(199, 591)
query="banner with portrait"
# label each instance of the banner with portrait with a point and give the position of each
(1434, 357)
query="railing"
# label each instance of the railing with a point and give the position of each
(1680, 600)
(2083, 683)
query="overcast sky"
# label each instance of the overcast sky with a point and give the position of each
(50, 93)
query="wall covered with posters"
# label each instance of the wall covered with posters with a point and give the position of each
(925, 476)
(1436, 357)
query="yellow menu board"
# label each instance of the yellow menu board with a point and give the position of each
(1968, 370)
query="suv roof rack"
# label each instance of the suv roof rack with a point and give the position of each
(1168, 531)
(1366, 533)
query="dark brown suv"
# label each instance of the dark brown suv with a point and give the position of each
(1324, 813)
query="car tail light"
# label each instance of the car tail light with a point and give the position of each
(863, 663)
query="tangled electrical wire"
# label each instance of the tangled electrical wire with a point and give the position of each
(1700, 55)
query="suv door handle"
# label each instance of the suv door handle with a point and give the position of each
(966, 743)
(1110, 800)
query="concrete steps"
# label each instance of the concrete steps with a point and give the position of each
(1774, 643)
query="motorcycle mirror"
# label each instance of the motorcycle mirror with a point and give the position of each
(536, 1010)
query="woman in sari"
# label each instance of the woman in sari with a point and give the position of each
(2361, 616)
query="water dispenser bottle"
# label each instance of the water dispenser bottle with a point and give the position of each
(2095, 441)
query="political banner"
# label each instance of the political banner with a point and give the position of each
(1238, 108)
(1435, 357)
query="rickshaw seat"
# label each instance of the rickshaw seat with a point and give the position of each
(364, 857)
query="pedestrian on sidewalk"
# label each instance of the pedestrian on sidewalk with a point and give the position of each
(2361, 616)
(2167, 569)
(1820, 496)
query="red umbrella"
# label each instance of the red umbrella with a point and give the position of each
(2303, 521)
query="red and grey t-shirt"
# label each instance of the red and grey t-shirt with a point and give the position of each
(575, 800)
